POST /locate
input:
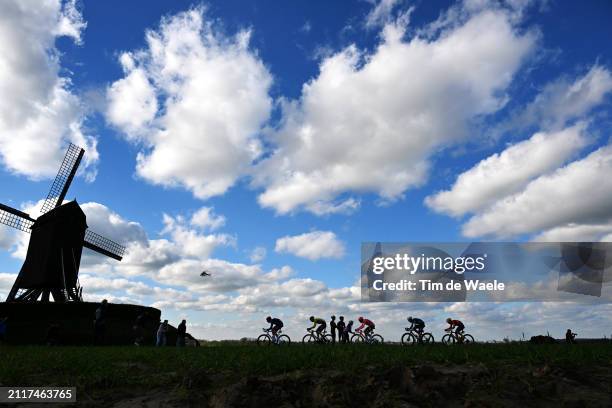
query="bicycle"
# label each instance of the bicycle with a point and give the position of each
(452, 338)
(267, 339)
(316, 337)
(412, 337)
(360, 337)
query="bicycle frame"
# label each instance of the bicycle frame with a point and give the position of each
(367, 338)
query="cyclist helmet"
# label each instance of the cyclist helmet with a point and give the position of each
(410, 319)
(449, 320)
(268, 319)
(360, 319)
(312, 318)
(350, 322)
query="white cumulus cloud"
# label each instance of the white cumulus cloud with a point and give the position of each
(312, 245)
(507, 172)
(564, 100)
(370, 121)
(39, 113)
(206, 218)
(578, 193)
(195, 100)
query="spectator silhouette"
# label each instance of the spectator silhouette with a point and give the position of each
(53, 335)
(180, 334)
(162, 330)
(340, 327)
(570, 337)
(100, 323)
(3, 328)
(333, 325)
(139, 329)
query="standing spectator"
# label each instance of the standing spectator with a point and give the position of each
(161, 333)
(3, 324)
(100, 323)
(348, 330)
(139, 329)
(180, 333)
(333, 326)
(53, 335)
(340, 326)
(569, 337)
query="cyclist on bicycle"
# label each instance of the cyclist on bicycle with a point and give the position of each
(275, 325)
(416, 324)
(366, 322)
(457, 325)
(321, 322)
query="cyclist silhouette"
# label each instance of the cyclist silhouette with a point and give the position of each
(416, 324)
(321, 322)
(275, 325)
(457, 325)
(366, 322)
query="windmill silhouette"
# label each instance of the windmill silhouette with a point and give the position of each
(57, 239)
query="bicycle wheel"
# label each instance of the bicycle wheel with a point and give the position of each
(309, 338)
(427, 338)
(284, 340)
(408, 339)
(355, 338)
(264, 340)
(377, 339)
(448, 339)
(468, 339)
(327, 339)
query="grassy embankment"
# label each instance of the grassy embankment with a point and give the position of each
(91, 367)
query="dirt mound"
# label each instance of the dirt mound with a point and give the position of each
(421, 386)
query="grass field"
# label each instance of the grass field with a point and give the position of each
(91, 367)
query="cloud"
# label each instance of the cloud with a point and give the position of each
(195, 100)
(507, 172)
(381, 12)
(258, 254)
(205, 218)
(574, 194)
(573, 232)
(564, 100)
(364, 124)
(39, 113)
(312, 245)
(193, 242)
(111, 225)
(7, 237)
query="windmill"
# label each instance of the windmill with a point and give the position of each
(57, 239)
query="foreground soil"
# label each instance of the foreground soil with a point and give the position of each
(387, 376)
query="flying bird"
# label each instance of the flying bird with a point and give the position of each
(205, 273)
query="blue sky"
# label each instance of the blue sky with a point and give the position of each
(265, 141)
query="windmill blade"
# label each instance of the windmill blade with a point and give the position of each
(102, 245)
(64, 177)
(15, 218)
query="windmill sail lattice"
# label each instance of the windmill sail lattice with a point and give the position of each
(15, 218)
(64, 177)
(103, 245)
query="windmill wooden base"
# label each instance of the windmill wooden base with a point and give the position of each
(30, 322)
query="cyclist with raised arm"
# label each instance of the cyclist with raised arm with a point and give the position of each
(416, 324)
(275, 325)
(321, 322)
(457, 325)
(366, 322)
